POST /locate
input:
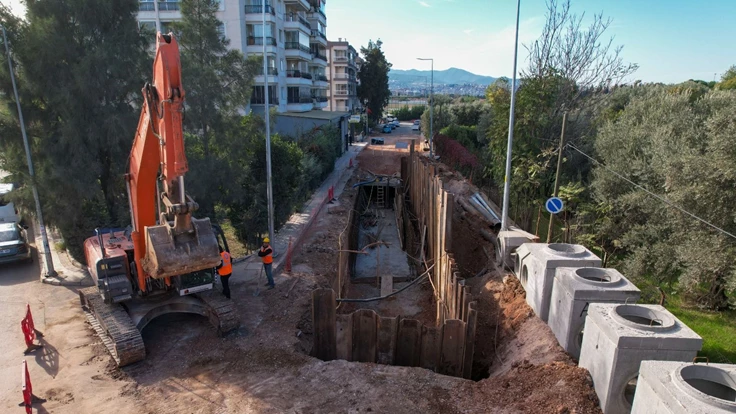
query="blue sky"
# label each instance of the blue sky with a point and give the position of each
(670, 40)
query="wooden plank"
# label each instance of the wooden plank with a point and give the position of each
(387, 283)
(470, 341)
(449, 206)
(409, 343)
(453, 347)
(388, 332)
(466, 301)
(323, 319)
(365, 338)
(431, 345)
(344, 332)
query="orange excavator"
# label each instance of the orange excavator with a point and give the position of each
(164, 262)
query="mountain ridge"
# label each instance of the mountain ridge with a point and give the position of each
(448, 76)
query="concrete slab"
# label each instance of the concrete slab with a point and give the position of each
(573, 290)
(618, 337)
(684, 388)
(535, 266)
(382, 260)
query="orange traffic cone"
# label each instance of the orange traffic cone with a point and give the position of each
(350, 165)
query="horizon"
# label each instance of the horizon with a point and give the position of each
(671, 41)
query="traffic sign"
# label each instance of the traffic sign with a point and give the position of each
(554, 205)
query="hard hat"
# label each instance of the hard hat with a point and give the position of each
(266, 240)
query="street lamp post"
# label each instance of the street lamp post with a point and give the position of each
(267, 117)
(507, 177)
(431, 108)
(50, 272)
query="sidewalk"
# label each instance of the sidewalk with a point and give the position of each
(300, 222)
(69, 272)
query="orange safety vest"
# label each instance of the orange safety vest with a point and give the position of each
(267, 259)
(227, 266)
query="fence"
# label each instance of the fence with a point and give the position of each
(364, 336)
(432, 207)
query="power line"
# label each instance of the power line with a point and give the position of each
(658, 197)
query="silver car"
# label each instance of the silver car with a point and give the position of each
(14, 243)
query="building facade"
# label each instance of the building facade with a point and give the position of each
(343, 63)
(296, 46)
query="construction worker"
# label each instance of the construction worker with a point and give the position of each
(266, 255)
(225, 270)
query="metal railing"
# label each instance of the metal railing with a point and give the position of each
(316, 10)
(258, 41)
(318, 56)
(320, 98)
(261, 100)
(299, 99)
(340, 76)
(317, 33)
(306, 75)
(321, 78)
(341, 92)
(341, 58)
(146, 6)
(293, 73)
(294, 17)
(271, 71)
(253, 9)
(168, 6)
(296, 46)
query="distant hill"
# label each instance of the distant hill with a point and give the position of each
(449, 76)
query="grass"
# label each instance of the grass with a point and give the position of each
(237, 249)
(718, 330)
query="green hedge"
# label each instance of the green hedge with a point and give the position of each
(406, 113)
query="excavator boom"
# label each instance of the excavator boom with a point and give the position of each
(178, 243)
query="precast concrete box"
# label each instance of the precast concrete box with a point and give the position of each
(535, 267)
(573, 290)
(507, 242)
(666, 387)
(618, 337)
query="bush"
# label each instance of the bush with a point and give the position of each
(455, 155)
(406, 113)
(465, 135)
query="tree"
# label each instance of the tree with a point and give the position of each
(80, 67)
(373, 90)
(218, 83)
(728, 80)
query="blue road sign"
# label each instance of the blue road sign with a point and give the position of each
(554, 205)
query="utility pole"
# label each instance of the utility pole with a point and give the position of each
(507, 177)
(557, 174)
(431, 108)
(267, 117)
(50, 272)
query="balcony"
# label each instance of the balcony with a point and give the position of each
(295, 21)
(319, 59)
(168, 6)
(340, 60)
(299, 104)
(321, 78)
(318, 37)
(258, 9)
(296, 46)
(296, 50)
(258, 41)
(146, 6)
(341, 92)
(272, 100)
(303, 3)
(296, 77)
(271, 71)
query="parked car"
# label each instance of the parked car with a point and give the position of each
(376, 141)
(387, 129)
(14, 243)
(396, 123)
(416, 126)
(8, 212)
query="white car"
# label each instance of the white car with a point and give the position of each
(416, 126)
(396, 123)
(8, 212)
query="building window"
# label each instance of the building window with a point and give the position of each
(221, 31)
(258, 97)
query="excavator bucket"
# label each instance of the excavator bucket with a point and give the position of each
(168, 254)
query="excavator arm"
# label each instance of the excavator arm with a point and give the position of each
(167, 240)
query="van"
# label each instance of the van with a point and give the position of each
(8, 212)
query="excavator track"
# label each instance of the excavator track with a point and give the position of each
(114, 326)
(222, 312)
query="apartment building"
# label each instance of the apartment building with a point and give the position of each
(342, 70)
(296, 46)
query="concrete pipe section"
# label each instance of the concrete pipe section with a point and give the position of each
(619, 337)
(573, 290)
(537, 263)
(680, 388)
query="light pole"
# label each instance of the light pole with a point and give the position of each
(431, 108)
(50, 272)
(507, 177)
(267, 117)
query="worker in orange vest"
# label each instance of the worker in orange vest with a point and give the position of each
(225, 270)
(266, 255)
